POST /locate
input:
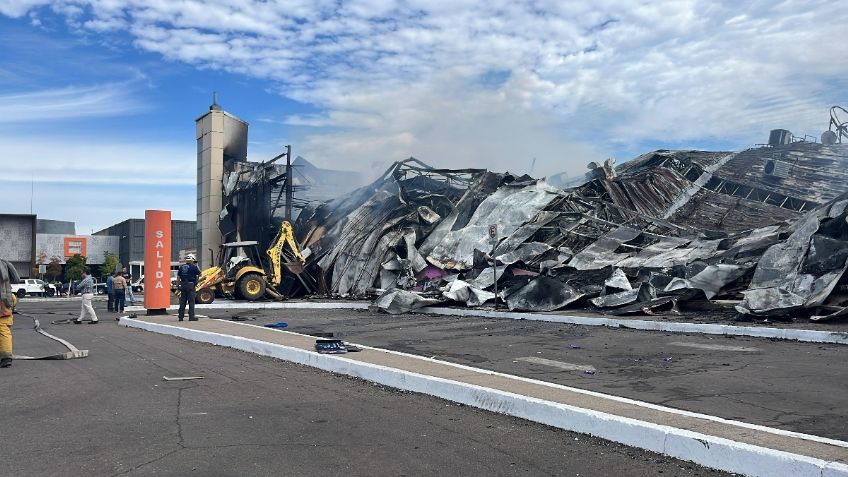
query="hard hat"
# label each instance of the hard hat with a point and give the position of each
(191, 258)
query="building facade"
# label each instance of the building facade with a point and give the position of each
(63, 246)
(17, 241)
(130, 236)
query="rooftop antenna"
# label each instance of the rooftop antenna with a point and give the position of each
(215, 106)
(31, 191)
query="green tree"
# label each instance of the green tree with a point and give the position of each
(74, 267)
(110, 263)
(54, 269)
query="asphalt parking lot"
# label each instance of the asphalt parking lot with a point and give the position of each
(784, 384)
(113, 414)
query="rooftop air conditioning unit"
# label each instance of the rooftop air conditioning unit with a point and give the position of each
(779, 137)
(775, 168)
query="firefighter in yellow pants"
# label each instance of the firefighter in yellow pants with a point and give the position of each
(8, 275)
(5, 335)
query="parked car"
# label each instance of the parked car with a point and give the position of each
(33, 286)
(138, 286)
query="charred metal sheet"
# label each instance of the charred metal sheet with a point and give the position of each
(616, 299)
(602, 253)
(617, 282)
(711, 280)
(543, 294)
(464, 292)
(803, 270)
(401, 301)
(509, 207)
(524, 253)
(648, 308)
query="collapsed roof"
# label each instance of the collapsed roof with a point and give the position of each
(667, 227)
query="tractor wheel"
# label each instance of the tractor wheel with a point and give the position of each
(205, 296)
(252, 286)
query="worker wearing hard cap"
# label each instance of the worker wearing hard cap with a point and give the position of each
(8, 275)
(187, 276)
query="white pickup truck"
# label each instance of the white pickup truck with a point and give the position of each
(33, 286)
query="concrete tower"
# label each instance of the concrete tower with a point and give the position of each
(221, 139)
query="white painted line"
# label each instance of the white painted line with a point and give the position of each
(557, 364)
(808, 336)
(714, 347)
(703, 449)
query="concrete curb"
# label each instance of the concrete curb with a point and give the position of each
(807, 336)
(703, 449)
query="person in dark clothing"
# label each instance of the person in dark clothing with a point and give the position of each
(119, 288)
(187, 276)
(110, 292)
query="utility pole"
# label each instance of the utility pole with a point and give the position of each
(289, 184)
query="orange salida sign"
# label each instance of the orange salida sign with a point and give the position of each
(157, 261)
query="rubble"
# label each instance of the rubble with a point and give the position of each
(653, 233)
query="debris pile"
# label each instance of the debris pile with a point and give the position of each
(668, 228)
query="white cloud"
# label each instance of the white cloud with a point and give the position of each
(69, 102)
(399, 78)
(93, 160)
(94, 207)
(18, 8)
(96, 182)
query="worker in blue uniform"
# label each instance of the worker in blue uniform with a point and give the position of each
(187, 276)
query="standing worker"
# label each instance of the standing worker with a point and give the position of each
(187, 276)
(130, 297)
(110, 293)
(86, 288)
(119, 288)
(8, 275)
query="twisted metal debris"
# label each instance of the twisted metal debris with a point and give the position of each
(666, 229)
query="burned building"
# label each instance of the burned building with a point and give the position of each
(763, 228)
(725, 190)
(241, 200)
(665, 228)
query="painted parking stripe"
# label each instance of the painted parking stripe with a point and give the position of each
(557, 364)
(714, 347)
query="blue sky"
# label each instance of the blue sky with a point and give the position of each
(98, 97)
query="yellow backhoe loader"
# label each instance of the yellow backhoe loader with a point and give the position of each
(242, 272)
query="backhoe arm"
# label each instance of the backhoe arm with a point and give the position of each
(275, 252)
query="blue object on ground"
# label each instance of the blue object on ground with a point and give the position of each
(279, 324)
